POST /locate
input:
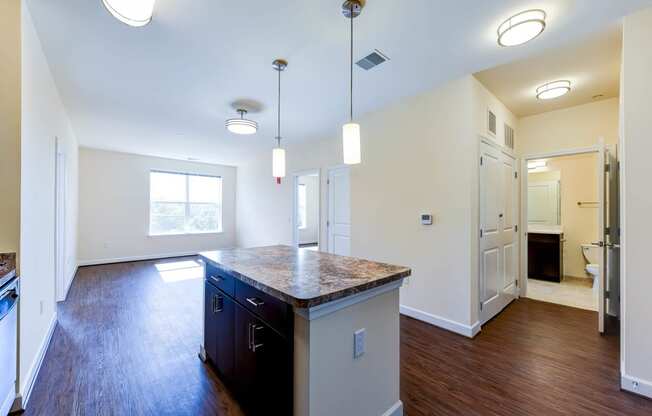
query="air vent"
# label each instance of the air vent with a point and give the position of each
(372, 60)
(491, 123)
(509, 136)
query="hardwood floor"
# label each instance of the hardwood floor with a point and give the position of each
(128, 337)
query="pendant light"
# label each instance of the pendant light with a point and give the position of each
(351, 131)
(132, 12)
(241, 125)
(278, 154)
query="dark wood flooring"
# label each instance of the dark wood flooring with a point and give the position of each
(128, 337)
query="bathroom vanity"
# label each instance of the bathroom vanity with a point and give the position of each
(546, 253)
(287, 330)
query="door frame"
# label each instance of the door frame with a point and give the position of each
(329, 210)
(512, 153)
(295, 185)
(598, 149)
(61, 286)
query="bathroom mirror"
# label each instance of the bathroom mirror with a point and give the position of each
(544, 198)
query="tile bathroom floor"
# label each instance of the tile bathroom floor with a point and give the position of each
(572, 291)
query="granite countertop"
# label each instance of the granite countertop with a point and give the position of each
(7, 266)
(304, 278)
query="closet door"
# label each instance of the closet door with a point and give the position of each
(498, 226)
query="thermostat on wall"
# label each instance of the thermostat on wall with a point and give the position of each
(426, 219)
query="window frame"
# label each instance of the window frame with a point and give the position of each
(186, 203)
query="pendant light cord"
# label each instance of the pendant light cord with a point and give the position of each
(351, 88)
(278, 125)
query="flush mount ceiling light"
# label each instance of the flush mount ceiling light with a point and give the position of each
(278, 154)
(351, 131)
(537, 164)
(132, 12)
(522, 27)
(241, 125)
(553, 89)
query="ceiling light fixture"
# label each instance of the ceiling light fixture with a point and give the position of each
(553, 89)
(132, 12)
(278, 154)
(241, 125)
(522, 27)
(351, 131)
(537, 164)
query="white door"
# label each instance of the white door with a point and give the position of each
(498, 227)
(339, 211)
(608, 229)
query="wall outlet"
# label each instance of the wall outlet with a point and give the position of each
(359, 343)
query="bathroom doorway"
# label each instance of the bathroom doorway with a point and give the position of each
(307, 218)
(570, 254)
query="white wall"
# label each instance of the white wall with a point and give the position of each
(569, 128)
(9, 125)
(310, 234)
(43, 118)
(114, 208)
(419, 156)
(636, 223)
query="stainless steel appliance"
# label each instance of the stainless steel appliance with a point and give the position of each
(8, 342)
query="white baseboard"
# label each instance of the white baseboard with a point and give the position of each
(32, 374)
(134, 258)
(453, 326)
(636, 385)
(71, 278)
(395, 410)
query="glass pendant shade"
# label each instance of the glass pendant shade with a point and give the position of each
(241, 126)
(351, 143)
(132, 12)
(521, 28)
(278, 162)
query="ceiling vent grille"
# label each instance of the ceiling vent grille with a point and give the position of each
(372, 60)
(491, 123)
(509, 136)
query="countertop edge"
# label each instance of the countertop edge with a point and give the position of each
(312, 302)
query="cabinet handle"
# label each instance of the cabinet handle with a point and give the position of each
(255, 346)
(218, 303)
(255, 301)
(217, 279)
(249, 328)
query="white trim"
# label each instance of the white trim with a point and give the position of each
(336, 305)
(95, 262)
(395, 410)
(295, 183)
(636, 385)
(469, 331)
(32, 374)
(567, 152)
(70, 280)
(6, 404)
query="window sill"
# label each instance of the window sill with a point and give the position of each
(185, 234)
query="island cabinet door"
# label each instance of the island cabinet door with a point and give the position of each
(263, 366)
(219, 330)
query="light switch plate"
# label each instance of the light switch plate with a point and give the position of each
(359, 343)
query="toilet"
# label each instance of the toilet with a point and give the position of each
(591, 254)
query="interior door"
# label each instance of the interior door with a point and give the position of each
(498, 226)
(339, 211)
(602, 216)
(611, 281)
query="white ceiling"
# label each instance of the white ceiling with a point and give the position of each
(591, 64)
(166, 89)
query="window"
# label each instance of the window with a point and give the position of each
(301, 206)
(184, 204)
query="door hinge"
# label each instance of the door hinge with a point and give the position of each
(516, 282)
(480, 305)
(515, 175)
(607, 168)
(516, 228)
(328, 223)
(607, 294)
(607, 230)
(480, 232)
(328, 181)
(481, 160)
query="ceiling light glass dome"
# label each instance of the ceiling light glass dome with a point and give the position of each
(521, 27)
(132, 12)
(241, 125)
(553, 89)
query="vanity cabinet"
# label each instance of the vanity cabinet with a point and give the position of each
(546, 256)
(248, 338)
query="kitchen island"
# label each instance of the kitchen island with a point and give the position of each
(294, 331)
